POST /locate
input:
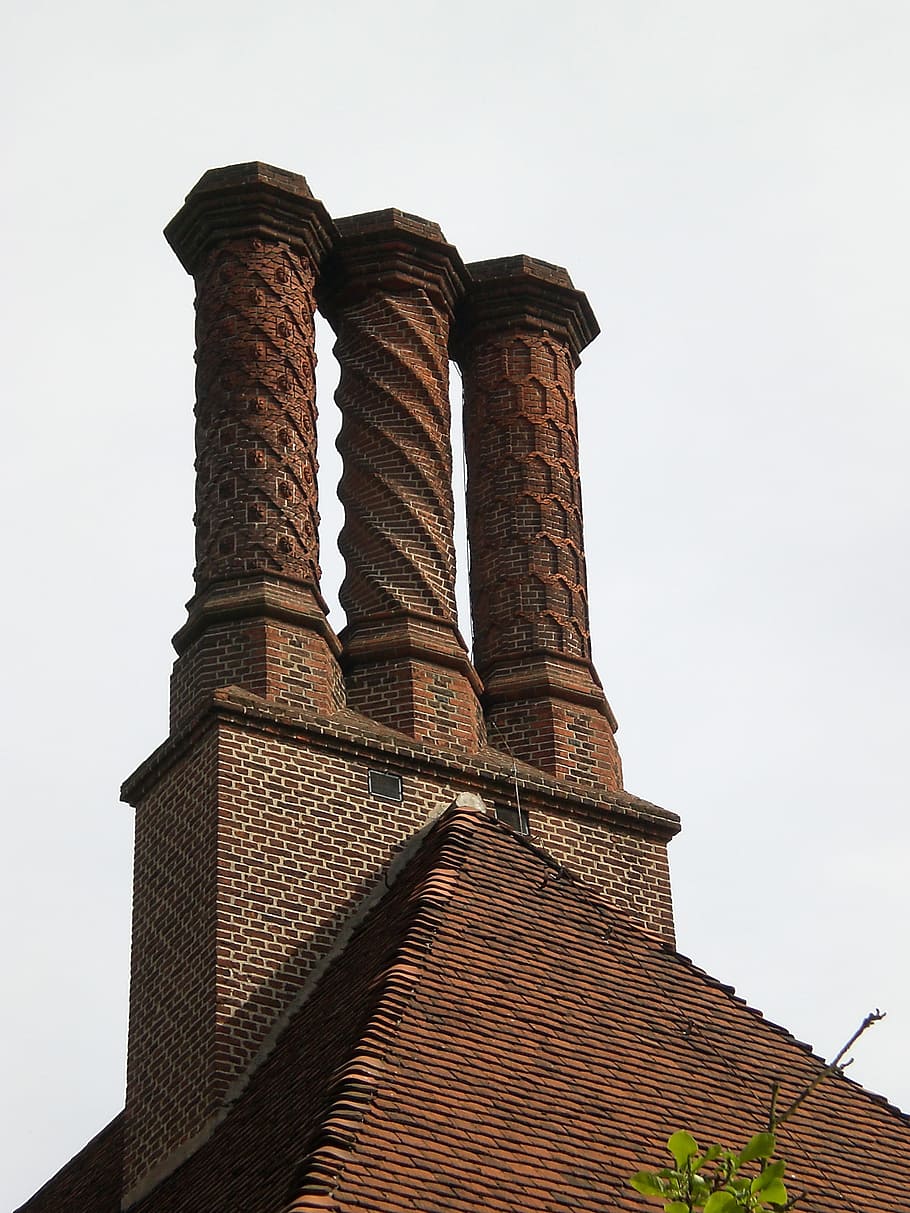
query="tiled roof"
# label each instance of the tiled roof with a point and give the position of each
(496, 1037)
(90, 1182)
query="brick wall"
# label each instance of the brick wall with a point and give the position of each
(171, 1088)
(629, 868)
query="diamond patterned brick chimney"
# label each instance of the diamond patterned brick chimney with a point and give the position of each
(253, 238)
(521, 331)
(389, 292)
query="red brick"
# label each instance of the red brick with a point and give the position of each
(521, 329)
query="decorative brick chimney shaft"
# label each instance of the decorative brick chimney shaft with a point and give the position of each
(522, 327)
(389, 291)
(253, 238)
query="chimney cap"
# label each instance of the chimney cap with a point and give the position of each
(249, 200)
(391, 219)
(520, 265)
(388, 251)
(508, 292)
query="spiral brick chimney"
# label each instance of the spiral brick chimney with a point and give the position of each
(521, 330)
(389, 291)
(253, 238)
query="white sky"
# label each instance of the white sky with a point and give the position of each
(729, 183)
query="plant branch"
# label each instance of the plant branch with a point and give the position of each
(772, 1113)
(832, 1067)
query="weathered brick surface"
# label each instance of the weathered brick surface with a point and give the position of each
(253, 238)
(436, 703)
(171, 1083)
(521, 329)
(256, 464)
(251, 850)
(397, 480)
(524, 486)
(284, 661)
(301, 840)
(389, 290)
(544, 727)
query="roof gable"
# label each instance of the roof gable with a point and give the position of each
(494, 1036)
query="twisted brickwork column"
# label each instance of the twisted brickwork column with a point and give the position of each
(253, 237)
(389, 290)
(521, 329)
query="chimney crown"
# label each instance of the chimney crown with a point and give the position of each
(249, 200)
(390, 251)
(507, 292)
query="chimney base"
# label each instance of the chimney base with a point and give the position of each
(551, 712)
(413, 674)
(266, 636)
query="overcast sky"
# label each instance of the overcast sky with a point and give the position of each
(729, 183)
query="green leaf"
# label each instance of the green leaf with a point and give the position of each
(676, 1206)
(682, 1146)
(712, 1152)
(761, 1146)
(721, 1202)
(773, 1171)
(775, 1193)
(647, 1184)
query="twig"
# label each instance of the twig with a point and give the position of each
(871, 1018)
(832, 1067)
(775, 1090)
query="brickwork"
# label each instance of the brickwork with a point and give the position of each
(521, 329)
(256, 845)
(571, 740)
(436, 703)
(292, 662)
(251, 850)
(256, 414)
(171, 1087)
(397, 481)
(389, 291)
(630, 869)
(257, 835)
(253, 238)
(525, 485)
(301, 841)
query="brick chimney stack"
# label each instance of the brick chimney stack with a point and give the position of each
(389, 291)
(253, 237)
(522, 327)
(282, 794)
